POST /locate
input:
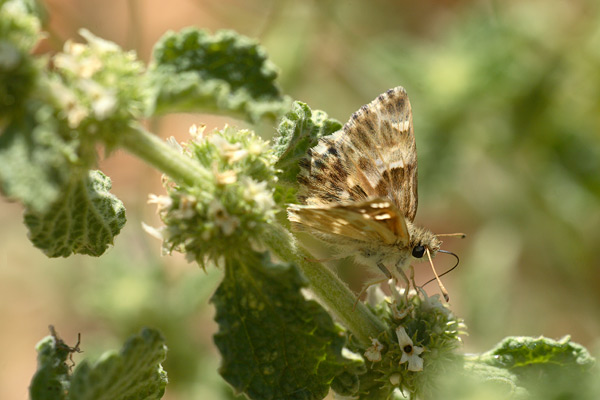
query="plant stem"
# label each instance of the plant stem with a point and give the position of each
(165, 158)
(334, 293)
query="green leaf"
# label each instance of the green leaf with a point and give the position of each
(84, 220)
(19, 32)
(299, 130)
(225, 72)
(275, 344)
(133, 373)
(546, 368)
(51, 380)
(520, 353)
(35, 161)
(523, 368)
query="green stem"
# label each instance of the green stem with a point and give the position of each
(334, 293)
(165, 158)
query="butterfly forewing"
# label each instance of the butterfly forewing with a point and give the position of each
(372, 221)
(373, 156)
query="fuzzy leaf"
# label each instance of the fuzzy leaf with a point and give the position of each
(51, 380)
(19, 32)
(225, 72)
(84, 220)
(133, 373)
(546, 368)
(35, 161)
(275, 344)
(299, 130)
(518, 352)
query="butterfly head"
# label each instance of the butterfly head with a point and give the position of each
(421, 240)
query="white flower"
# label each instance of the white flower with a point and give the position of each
(431, 303)
(374, 295)
(223, 178)
(256, 148)
(373, 353)
(154, 232)
(410, 353)
(104, 105)
(162, 202)
(197, 131)
(395, 379)
(187, 207)
(398, 313)
(258, 192)
(222, 219)
(171, 141)
(98, 44)
(233, 152)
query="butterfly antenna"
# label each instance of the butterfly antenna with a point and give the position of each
(455, 265)
(458, 234)
(440, 284)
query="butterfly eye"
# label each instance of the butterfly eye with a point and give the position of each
(418, 251)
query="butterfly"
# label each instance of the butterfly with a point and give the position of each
(358, 189)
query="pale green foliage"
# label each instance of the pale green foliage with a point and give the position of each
(225, 72)
(36, 161)
(133, 373)
(83, 221)
(284, 347)
(234, 205)
(299, 130)
(226, 194)
(19, 32)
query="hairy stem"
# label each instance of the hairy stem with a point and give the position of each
(165, 158)
(334, 293)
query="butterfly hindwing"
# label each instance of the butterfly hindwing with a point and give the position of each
(372, 221)
(374, 156)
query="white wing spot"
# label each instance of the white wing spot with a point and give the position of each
(405, 125)
(320, 148)
(383, 204)
(397, 164)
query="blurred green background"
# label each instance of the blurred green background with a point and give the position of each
(506, 104)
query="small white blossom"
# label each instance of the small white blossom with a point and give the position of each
(171, 141)
(373, 353)
(395, 379)
(74, 48)
(256, 148)
(197, 131)
(431, 303)
(104, 105)
(221, 217)
(98, 44)
(259, 193)
(232, 152)
(225, 177)
(162, 202)
(401, 313)
(187, 207)
(66, 62)
(410, 352)
(374, 295)
(154, 232)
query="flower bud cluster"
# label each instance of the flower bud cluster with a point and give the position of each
(227, 214)
(97, 87)
(420, 343)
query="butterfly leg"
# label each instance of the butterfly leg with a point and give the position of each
(364, 289)
(384, 269)
(412, 277)
(406, 281)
